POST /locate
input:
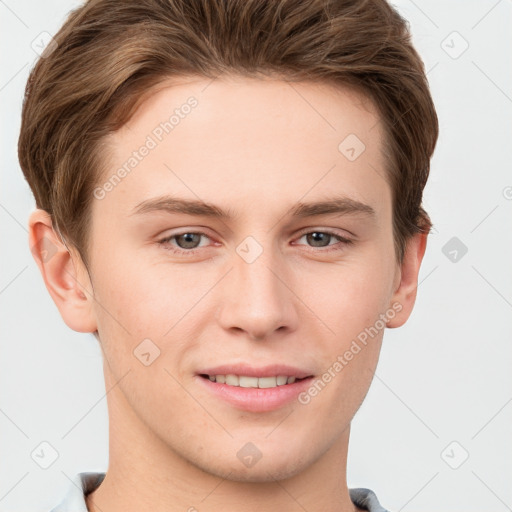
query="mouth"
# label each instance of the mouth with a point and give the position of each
(254, 389)
(246, 381)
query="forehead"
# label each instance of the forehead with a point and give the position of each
(245, 141)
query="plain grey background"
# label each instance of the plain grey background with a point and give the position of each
(434, 432)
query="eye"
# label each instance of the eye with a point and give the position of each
(321, 239)
(187, 243)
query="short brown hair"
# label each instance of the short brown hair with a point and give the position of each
(110, 55)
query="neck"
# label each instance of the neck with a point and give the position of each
(144, 473)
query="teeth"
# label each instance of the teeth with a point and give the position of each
(232, 380)
(244, 381)
(267, 382)
(248, 382)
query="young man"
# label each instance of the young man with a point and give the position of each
(229, 198)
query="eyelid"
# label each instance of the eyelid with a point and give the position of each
(167, 239)
(342, 240)
(331, 231)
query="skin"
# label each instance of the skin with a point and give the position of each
(173, 445)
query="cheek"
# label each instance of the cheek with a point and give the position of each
(133, 292)
(136, 301)
(349, 297)
(337, 393)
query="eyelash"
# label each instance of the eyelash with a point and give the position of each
(342, 241)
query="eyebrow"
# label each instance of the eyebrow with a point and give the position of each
(169, 204)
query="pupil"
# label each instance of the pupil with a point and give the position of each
(317, 237)
(188, 240)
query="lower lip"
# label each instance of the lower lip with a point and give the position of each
(257, 399)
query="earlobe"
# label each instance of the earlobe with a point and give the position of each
(64, 275)
(404, 296)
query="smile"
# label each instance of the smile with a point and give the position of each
(245, 381)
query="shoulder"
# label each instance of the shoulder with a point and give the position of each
(81, 485)
(366, 499)
(85, 483)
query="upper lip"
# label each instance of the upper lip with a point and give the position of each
(252, 371)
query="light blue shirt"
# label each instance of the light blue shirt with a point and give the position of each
(85, 483)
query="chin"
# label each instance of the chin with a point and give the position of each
(277, 461)
(261, 472)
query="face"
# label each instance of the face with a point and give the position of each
(260, 284)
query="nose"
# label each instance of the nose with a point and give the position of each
(256, 298)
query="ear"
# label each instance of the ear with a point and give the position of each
(406, 279)
(64, 274)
